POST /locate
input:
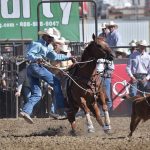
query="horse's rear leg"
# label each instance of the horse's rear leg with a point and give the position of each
(88, 117)
(134, 122)
(135, 119)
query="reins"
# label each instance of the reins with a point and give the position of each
(147, 101)
(49, 65)
(85, 62)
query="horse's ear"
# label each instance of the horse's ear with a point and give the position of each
(93, 37)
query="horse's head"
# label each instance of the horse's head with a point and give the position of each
(98, 48)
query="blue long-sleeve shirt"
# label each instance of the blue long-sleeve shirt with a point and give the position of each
(40, 49)
(114, 39)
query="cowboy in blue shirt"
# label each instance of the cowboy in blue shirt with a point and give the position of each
(113, 37)
(36, 52)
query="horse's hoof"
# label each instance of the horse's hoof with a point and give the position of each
(128, 138)
(91, 129)
(108, 132)
(73, 133)
(106, 127)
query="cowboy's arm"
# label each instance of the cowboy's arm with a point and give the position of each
(21, 79)
(52, 55)
(118, 39)
(129, 70)
(148, 76)
(128, 67)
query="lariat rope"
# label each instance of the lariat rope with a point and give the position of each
(83, 62)
(132, 86)
(49, 65)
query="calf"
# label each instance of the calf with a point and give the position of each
(140, 111)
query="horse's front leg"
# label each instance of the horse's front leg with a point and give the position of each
(90, 126)
(71, 119)
(106, 113)
(97, 115)
(106, 118)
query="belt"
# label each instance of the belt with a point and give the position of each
(144, 74)
(37, 62)
(106, 76)
(140, 75)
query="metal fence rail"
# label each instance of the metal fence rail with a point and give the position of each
(11, 51)
(7, 98)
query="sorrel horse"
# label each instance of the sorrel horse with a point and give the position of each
(85, 90)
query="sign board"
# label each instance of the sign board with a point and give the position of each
(120, 87)
(18, 18)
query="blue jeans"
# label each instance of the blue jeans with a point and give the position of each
(53, 104)
(107, 84)
(133, 89)
(26, 91)
(36, 73)
(137, 87)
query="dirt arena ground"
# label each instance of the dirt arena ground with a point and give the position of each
(50, 134)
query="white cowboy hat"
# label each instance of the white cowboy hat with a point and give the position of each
(142, 43)
(53, 32)
(103, 26)
(122, 50)
(56, 32)
(62, 41)
(111, 23)
(133, 43)
(65, 48)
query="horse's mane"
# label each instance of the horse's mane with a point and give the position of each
(85, 52)
(99, 41)
(103, 44)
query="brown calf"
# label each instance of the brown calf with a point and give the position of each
(140, 111)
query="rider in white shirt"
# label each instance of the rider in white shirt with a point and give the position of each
(138, 68)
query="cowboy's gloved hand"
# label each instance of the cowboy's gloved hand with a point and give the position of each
(144, 80)
(133, 80)
(17, 93)
(73, 59)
